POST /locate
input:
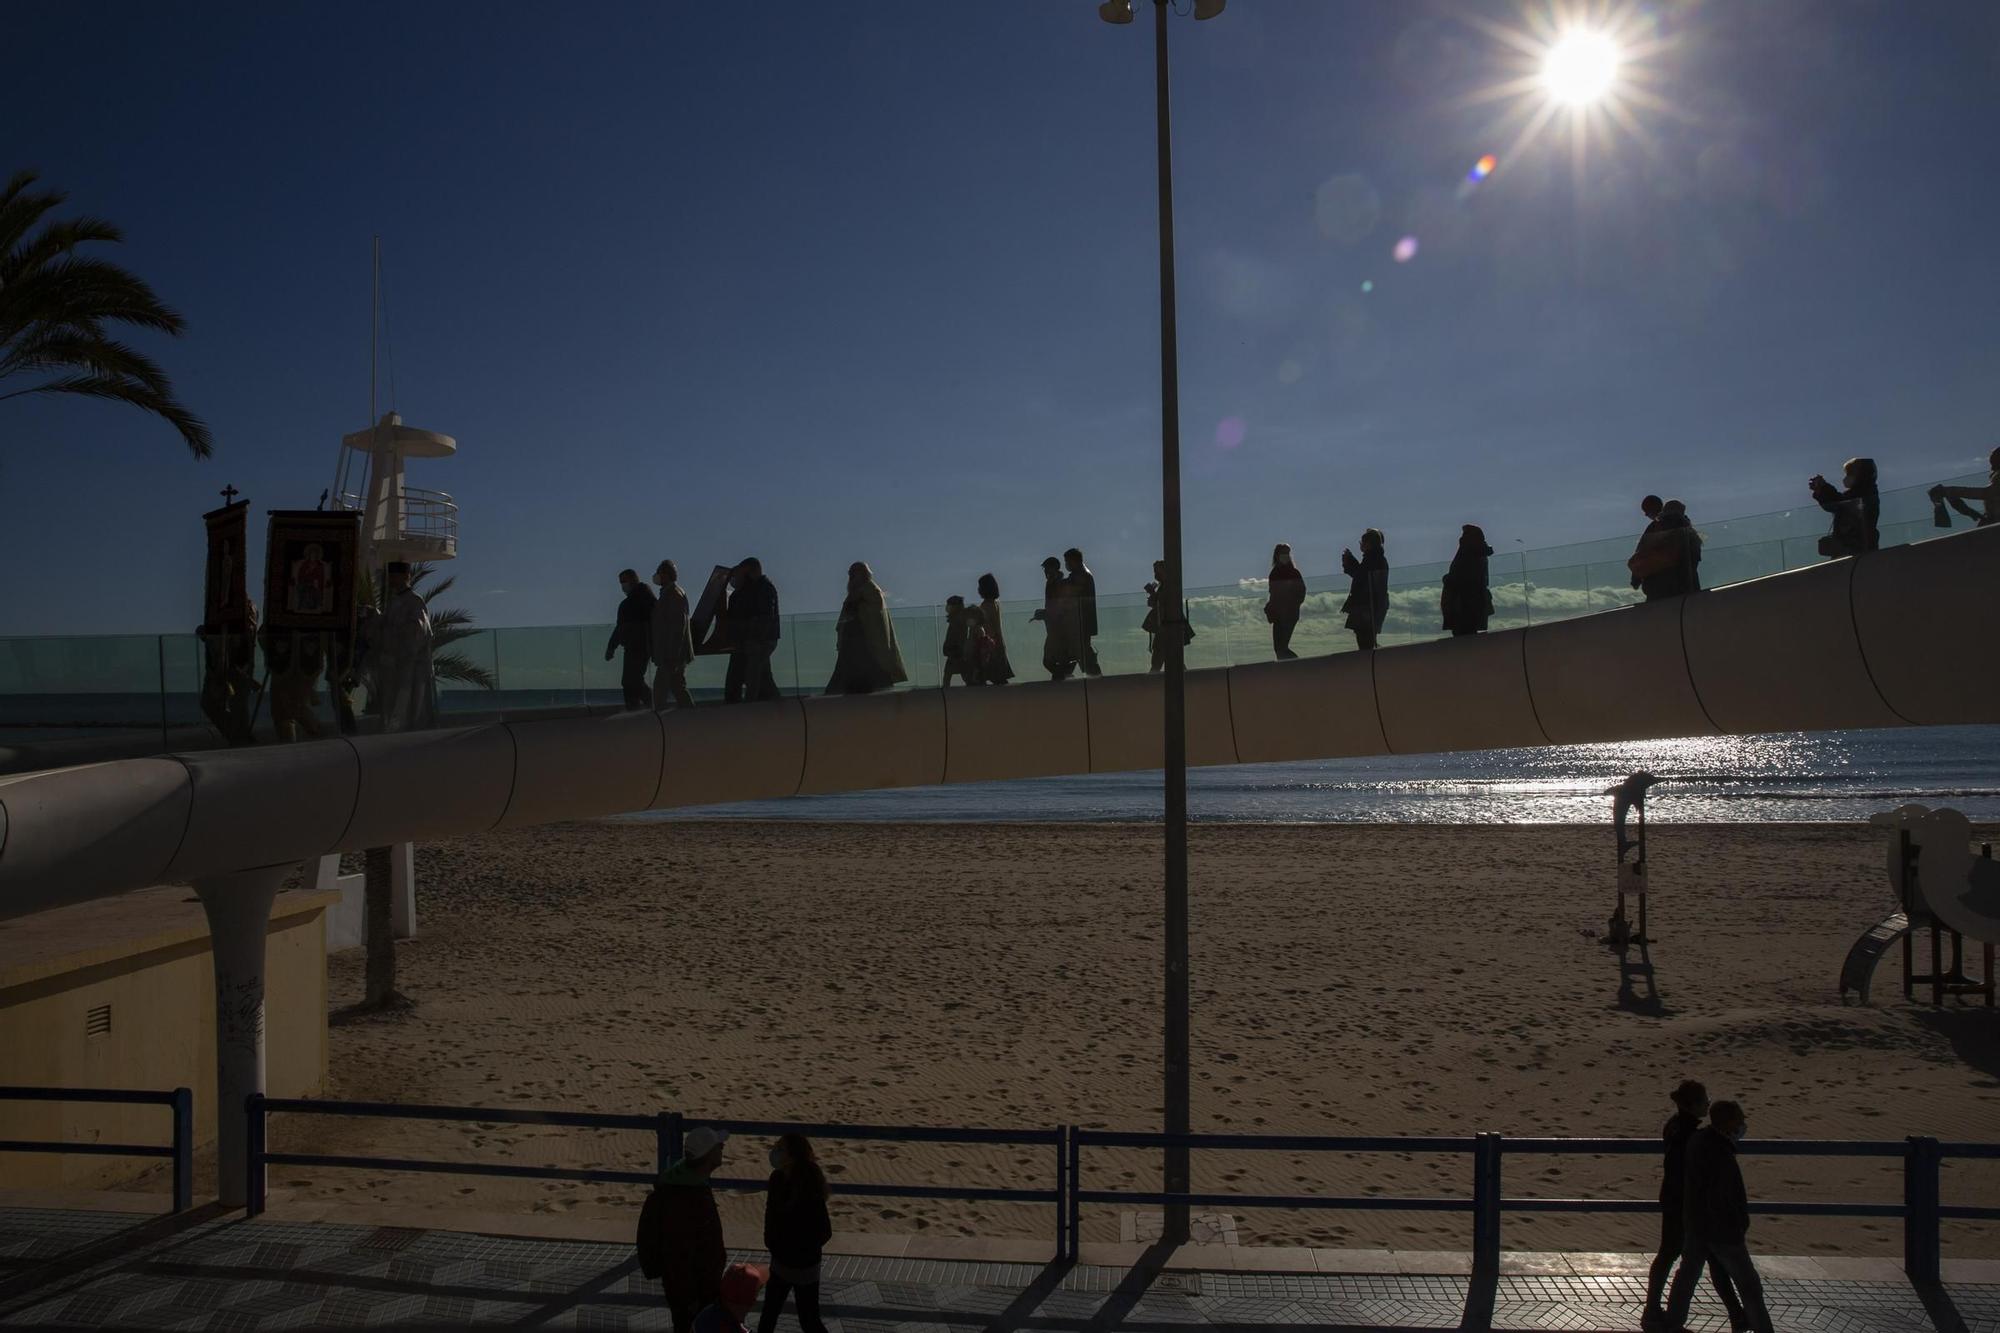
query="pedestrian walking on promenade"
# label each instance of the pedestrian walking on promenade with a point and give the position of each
(634, 633)
(1058, 617)
(1467, 601)
(1716, 1212)
(1691, 1104)
(996, 670)
(754, 625)
(673, 645)
(1285, 600)
(1367, 604)
(866, 657)
(796, 1229)
(685, 1232)
(1083, 595)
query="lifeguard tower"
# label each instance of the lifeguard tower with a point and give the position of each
(399, 521)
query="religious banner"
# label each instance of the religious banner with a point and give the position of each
(311, 563)
(225, 592)
(709, 624)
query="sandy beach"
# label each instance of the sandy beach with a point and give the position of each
(1347, 980)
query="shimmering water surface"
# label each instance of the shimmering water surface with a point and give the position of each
(1842, 775)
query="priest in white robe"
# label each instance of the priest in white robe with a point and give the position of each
(402, 655)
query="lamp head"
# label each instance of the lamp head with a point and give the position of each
(1208, 9)
(1115, 11)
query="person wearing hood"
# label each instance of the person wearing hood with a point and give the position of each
(1989, 495)
(673, 645)
(689, 1254)
(1716, 1216)
(633, 633)
(796, 1229)
(1856, 506)
(1284, 601)
(866, 658)
(1367, 604)
(1467, 601)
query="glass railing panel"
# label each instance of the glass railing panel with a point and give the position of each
(56, 687)
(1736, 564)
(920, 638)
(539, 666)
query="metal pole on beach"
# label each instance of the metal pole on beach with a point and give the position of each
(1170, 619)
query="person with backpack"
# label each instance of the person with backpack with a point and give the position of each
(736, 1297)
(680, 1231)
(796, 1228)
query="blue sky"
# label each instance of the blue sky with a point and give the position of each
(877, 281)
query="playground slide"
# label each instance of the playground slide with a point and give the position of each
(1884, 639)
(1857, 974)
(1959, 887)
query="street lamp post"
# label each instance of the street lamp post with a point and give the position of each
(1170, 620)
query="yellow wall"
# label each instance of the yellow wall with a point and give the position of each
(162, 998)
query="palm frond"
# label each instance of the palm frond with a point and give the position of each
(63, 350)
(463, 670)
(441, 589)
(20, 210)
(118, 389)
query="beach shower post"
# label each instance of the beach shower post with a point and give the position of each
(1171, 619)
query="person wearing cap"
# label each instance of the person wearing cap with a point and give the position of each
(733, 1302)
(692, 1255)
(1690, 1105)
(402, 653)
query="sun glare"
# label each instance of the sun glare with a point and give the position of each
(1580, 68)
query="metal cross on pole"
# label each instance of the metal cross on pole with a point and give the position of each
(229, 494)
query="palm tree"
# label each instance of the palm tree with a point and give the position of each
(448, 626)
(55, 304)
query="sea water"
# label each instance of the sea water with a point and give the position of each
(1796, 776)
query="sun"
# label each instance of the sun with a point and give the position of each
(1580, 67)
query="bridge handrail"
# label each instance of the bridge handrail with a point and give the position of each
(180, 1149)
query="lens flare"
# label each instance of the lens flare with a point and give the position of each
(1406, 250)
(1482, 168)
(1230, 432)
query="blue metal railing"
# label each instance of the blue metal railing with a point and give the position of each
(1921, 1208)
(180, 1101)
(668, 1129)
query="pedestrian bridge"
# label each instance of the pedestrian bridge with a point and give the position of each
(1904, 636)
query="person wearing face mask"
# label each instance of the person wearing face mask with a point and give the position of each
(1717, 1214)
(1691, 1104)
(796, 1228)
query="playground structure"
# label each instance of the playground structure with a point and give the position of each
(1942, 889)
(1627, 798)
(1847, 643)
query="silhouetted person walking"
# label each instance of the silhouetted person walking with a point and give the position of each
(957, 648)
(1716, 1211)
(673, 645)
(690, 1256)
(1058, 617)
(633, 633)
(1467, 601)
(1856, 506)
(1083, 594)
(1989, 495)
(996, 669)
(1667, 560)
(1284, 601)
(866, 658)
(796, 1228)
(1156, 645)
(1691, 1101)
(1367, 604)
(753, 621)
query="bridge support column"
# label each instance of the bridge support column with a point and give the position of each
(238, 906)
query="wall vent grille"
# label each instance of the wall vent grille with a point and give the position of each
(97, 1023)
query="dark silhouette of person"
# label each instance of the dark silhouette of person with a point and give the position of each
(753, 620)
(691, 1254)
(673, 645)
(957, 648)
(1856, 506)
(1284, 601)
(634, 633)
(796, 1229)
(1367, 604)
(866, 657)
(1691, 1104)
(996, 670)
(1058, 617)
(1083, 595)
(1716, 1215)
(1467, 601)
(1156, 642)
(1989, 495)
(1667, 560)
